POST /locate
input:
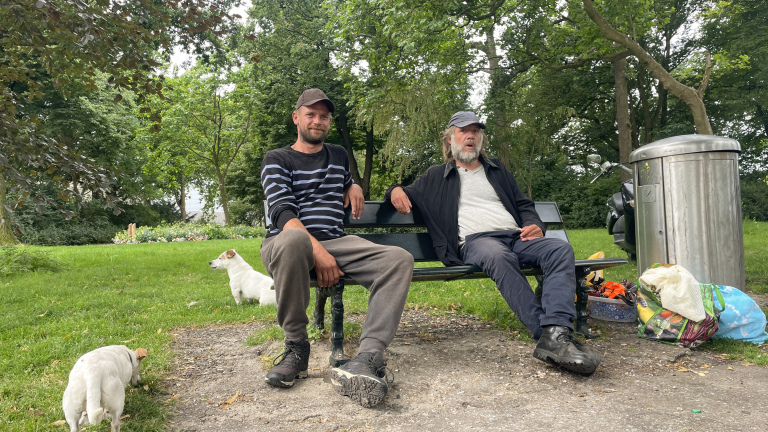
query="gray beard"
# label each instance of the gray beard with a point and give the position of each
(465, 158)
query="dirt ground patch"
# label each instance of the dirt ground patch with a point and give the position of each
(455, 373)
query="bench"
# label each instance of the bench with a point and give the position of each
(380, 214)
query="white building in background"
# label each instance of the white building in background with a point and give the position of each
(195, 208)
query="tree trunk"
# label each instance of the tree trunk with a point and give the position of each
(622, 113)
(6, 230)
(343, 127)
(687, 94)
(223, 194)
(368, 162)
(182, 201)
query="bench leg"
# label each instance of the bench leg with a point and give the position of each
(337, 357)
(582, 314)
(321, 295)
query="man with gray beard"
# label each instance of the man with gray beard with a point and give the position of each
(477, 215)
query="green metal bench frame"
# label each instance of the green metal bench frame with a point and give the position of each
(380, 214)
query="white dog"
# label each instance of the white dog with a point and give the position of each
(97, 385)
(245, 282)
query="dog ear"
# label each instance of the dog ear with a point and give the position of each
(141, 353)
(231, 253)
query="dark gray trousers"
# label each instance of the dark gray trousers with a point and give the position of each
(385, 271)
(500, 254)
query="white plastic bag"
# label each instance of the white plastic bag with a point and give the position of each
(678, 290)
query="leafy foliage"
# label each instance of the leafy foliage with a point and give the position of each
(188, 232)
(57, 43)
(17, 259)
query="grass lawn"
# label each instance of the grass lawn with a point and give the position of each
(136, 295)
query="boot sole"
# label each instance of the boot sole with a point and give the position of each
(277, 382)
(366, 391)
(573, 366)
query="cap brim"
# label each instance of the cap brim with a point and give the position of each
(328, 103)
(463, 124)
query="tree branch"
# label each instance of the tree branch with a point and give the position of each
(687, 94)
(707, 73)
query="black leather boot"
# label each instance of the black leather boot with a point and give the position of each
(558, 347)
(289, 365)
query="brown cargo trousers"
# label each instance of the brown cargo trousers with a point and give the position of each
(385, 271)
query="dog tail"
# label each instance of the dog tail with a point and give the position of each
(93, 399)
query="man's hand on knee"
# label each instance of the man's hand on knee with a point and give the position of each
(326, 268)
(531, 232)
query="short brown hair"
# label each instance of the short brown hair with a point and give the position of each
(446, 141)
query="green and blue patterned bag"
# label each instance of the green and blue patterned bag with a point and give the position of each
(659, 324)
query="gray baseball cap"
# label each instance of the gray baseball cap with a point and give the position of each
(313, 96)
(465, 118)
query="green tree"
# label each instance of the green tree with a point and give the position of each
(65, 41)
(213, 117)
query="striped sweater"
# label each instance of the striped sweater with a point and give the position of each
(307, 186)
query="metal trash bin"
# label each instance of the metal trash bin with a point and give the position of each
(688, 207)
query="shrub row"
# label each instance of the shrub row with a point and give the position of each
(188, 232)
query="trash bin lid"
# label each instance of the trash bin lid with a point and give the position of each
(684, 144)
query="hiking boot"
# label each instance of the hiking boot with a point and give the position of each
(558, 347)
(292, 364)
(362, 379)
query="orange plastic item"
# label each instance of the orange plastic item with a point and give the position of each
(612, 289)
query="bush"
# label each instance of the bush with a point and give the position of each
(17, 259)
(188, 232)
(754, 198)
(92, 224)
(70, 233)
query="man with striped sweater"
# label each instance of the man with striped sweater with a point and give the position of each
(307, 186)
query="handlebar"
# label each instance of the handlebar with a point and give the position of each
(607, 167)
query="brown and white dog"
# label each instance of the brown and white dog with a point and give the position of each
(245, 282)
(97, 385)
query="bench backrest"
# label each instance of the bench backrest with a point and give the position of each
(381, 214)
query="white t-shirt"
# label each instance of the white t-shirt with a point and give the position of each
(480, 209)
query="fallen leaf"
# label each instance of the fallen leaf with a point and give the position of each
(68, 336)
(43, 314)
(175, 396)
(58, 423)
(700, 374)
(125, 416)
(730, 368)
(229, 401)
(55, 362)
(747, 364)
(406, 343)
(159, 331)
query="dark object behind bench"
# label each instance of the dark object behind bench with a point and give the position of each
(378, 214)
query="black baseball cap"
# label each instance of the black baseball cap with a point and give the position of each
(465, 118)
(313, 96)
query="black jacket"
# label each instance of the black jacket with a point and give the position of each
(436, 195)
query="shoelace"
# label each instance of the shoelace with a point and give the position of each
(292, 361)
(389, 376)
(568, 337)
